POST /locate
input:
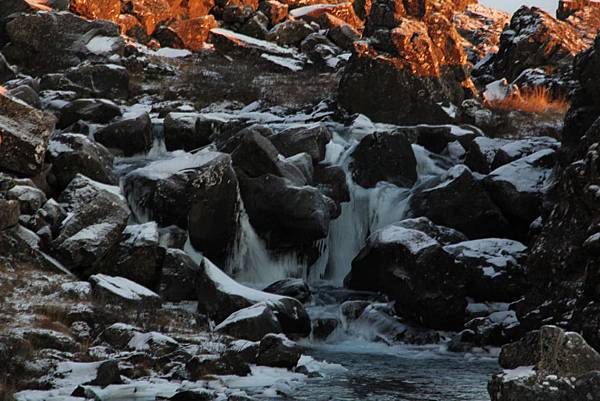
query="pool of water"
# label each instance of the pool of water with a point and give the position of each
(381, 373)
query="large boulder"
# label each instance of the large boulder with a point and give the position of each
(518, 187)
(494, 268)
(384, 157)
(311, 139)
(534, 39)
(412, 269)
(72, 154)
(549, 364)
(219, 296)
(98, 216)
(131, 135)
(100, 111)
(409, 61)
(197, 191)
(251, 323)
(461, 202)
(103, 80)
(278, 351)
(284, 213)
(178, 279)
(188, 131)
(46, 42)
(123, 292)
(138, 257)
(24, 134)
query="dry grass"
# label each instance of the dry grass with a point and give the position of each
(536, 100)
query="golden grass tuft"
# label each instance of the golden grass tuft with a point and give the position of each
(536, 100)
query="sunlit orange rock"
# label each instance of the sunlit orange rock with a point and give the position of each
(409, 64)
(344, 12)
(199, 8)
(97, 9)
(194, 32)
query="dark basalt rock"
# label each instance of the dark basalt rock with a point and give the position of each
(72, 154)
(131, 135)
(104, 80)
(277, 351)
(24, 135)
(47, 42)
(194, 191)
(413, 270)
(461, 202)
(178, 280)
(384, 157)
(291, 287)
(310, 139)
(251, 323)
(99, 111)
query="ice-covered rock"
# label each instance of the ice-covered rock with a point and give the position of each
(219, 296)
(444, 235)
(291, 287)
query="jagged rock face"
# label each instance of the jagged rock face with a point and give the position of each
(534, 39)
(586, 22)
(410, 59)
(188, 21)
(563, 265)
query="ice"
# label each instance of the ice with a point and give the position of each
(179, 161)
(263, 377)
(522, 372)
(248, 41)
(311, 365)
(291, 64)
(173, 53)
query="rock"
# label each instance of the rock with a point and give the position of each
(257, 26)
(131, 135)
(321, 50)
(462, 203)
(416, 61)
(496, 329)
(72, 154)
(290, 32)
(534, 39)
(323, 327)
(414, 271)
(436, 138)
(518, 187)
(120, 291)
(482, 152)
(228, 363)
(351, 310)
(27, 94)
(7, 72)
(384, 157)
(172, 237)
(46, 42)
(251, 323)
(291, 287)
(219, 296)
(494, 268)
(331, 181)
(247, 350)
(9, 213)
(103, 80)
(283, 213)
(309, 139)
(107, 374)
(274, 10)
(99, 215)
(178, 281)
(277, 351)
(443, 235)
(138, 257)
(117, 335)
(187, 131)
(559, 367)
(30, 199)
(103, 9)
(99, 111)
(194, 191)
(344, 36)
(48, 339)
(194, 395)
(24, 134)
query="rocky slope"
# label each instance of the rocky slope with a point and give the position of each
(139, 186)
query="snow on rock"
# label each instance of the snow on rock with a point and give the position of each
(413, 240)
(518, 187)
(152, 341)
(494, 268)
(101, 45)
(310, 366)
(123, 291)
(500, 90)
(251, 323)
(219, 296)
